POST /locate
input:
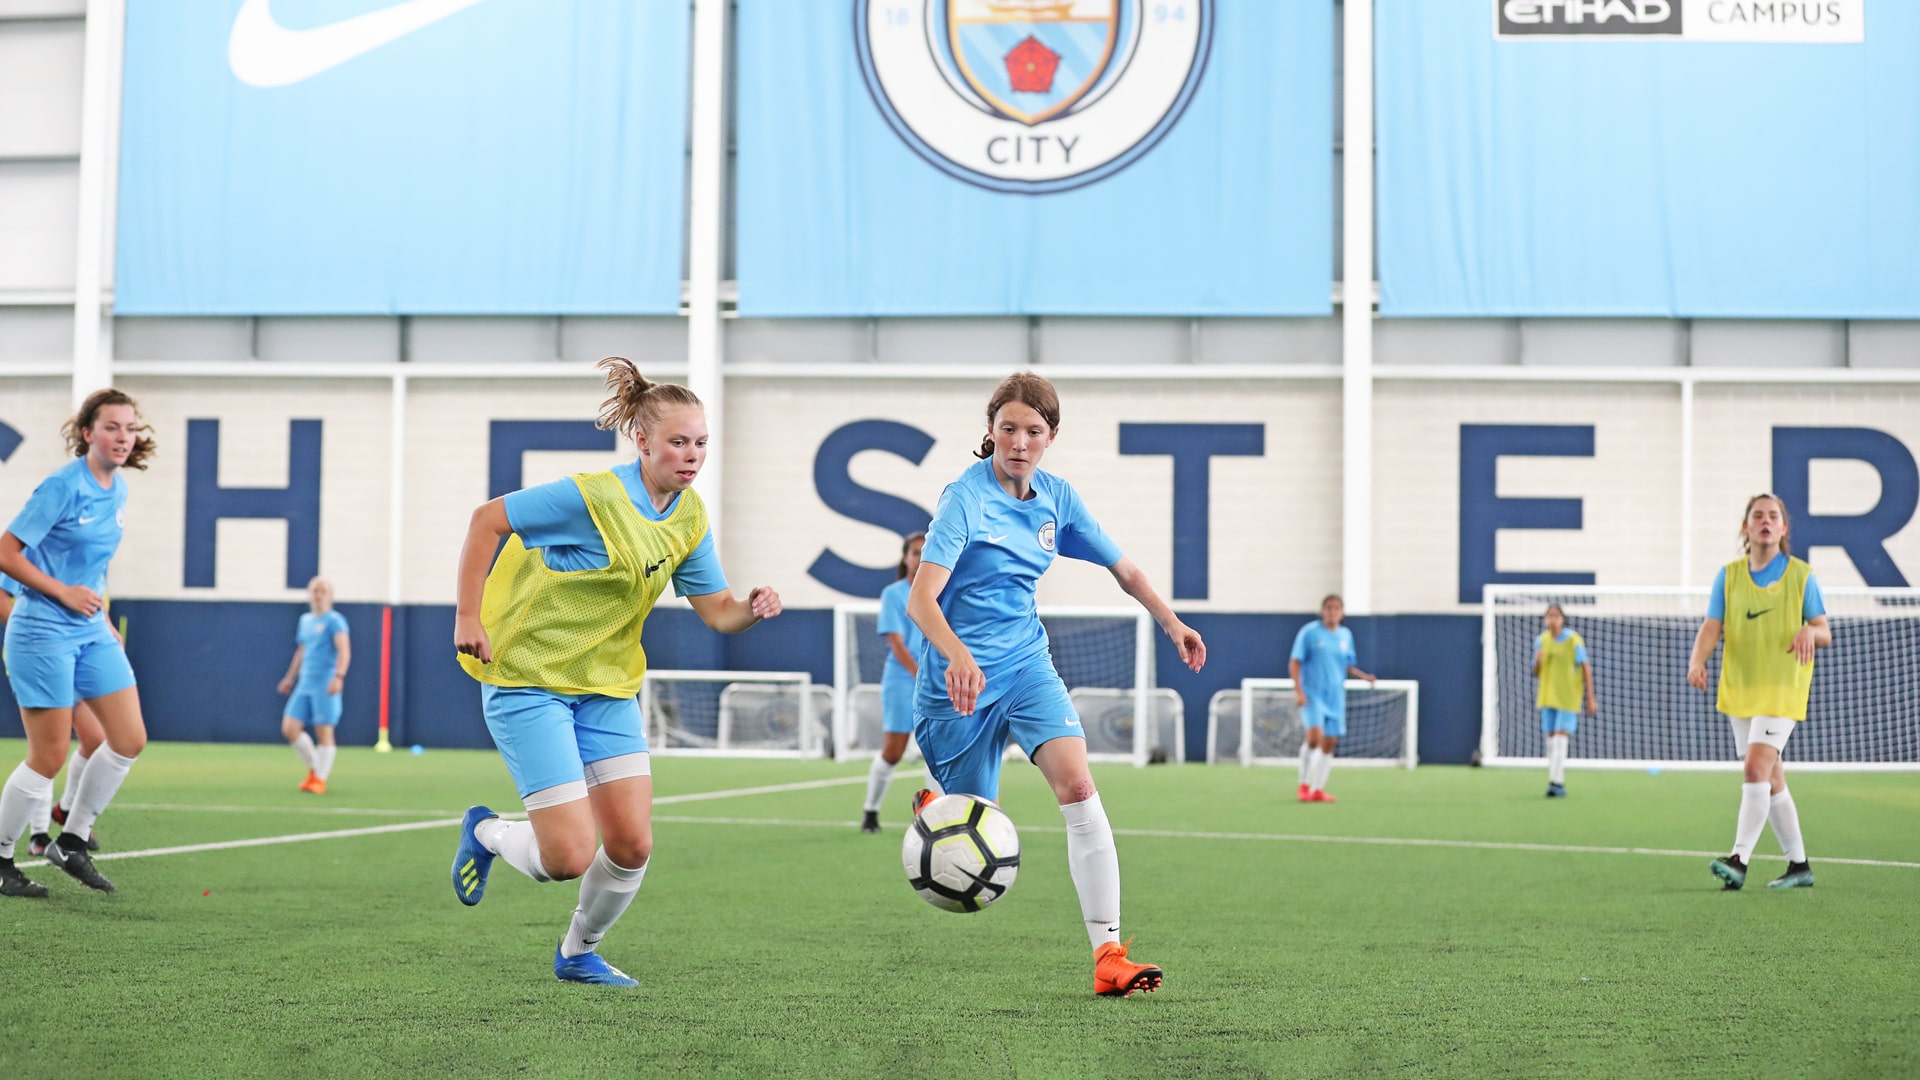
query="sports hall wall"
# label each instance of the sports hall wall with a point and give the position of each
(349, 331)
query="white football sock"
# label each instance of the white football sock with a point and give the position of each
(605, 891)
(1556, 759)
(1306, 763)
(1786, 826)
(76, 765)
(1753, 818)
(513, 841)
(304, 747)
(1095, 866)
(1321, 767)
(99, 783)
(323, 756)
(23, 790)
(42, 813)
(878, 777)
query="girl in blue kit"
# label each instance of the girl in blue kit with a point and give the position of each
(59, 649)
(321, 655)
(1320, 664)
(903, 641)
(986, 671)
(47, 813)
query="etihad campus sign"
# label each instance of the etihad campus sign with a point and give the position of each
(1836, 22)
(1032, 96)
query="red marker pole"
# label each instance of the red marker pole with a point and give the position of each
(386, 677)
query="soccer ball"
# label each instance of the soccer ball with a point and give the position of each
(961, 853)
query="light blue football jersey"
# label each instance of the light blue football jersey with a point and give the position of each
(71, 528)
(318, 654)
(997, 547)
(1324, 656)
(893, 620)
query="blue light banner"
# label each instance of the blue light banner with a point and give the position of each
(1685, 158)
(335, 157)
(1068, 157)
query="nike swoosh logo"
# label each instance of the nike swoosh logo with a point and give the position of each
(996, 539)
(263, 53)
(655, 566)
(1756, 614)
(88, 521)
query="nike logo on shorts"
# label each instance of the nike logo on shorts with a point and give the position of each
(263, 53)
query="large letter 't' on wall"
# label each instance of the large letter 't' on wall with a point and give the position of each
(1193, 448)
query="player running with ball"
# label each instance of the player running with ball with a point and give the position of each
(986, 670)
(1770, 608)
(553, 634)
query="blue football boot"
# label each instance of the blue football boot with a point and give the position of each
(589, 967)
(471, 861)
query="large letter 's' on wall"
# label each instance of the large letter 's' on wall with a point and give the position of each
(1483, 513)
(298, 504)
(1863, 536)
(834, 482)
(1193, 448)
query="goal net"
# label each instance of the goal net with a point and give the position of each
(736, 713)
(1259, 724)
(1864, 713)
(1104, 655)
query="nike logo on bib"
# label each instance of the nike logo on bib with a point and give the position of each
(264, 53)
(1751, 614)
(655, 566)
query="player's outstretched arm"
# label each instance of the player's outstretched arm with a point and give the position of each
(729, 614)
(1133, 581)
(965, 680)
(1703, 644)
(488, 525)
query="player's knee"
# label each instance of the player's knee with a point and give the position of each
(1076, 790)
(291, 729)
(128, 744)
(630, 852)
(46, 760)
(567, 864)
(892, 757)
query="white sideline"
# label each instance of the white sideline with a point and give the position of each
(664, 800)
(375, 830)
(1171, 834)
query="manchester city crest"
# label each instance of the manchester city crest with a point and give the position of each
(1032, 96)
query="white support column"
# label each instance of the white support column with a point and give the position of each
(1356, 311)
(99, 155)
(397, 491)
(705, 201)
(1686, 482)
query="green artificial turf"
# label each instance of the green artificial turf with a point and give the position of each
(773, 939)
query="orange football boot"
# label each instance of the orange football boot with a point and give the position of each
(314, 784)
(921, 798)
(1321, 796)
(1116, 976)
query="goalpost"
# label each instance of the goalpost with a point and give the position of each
(735, 713)
(1864, 713)
(1259, 724)
(1104, 655)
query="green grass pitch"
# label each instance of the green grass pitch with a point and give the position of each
(773, 939)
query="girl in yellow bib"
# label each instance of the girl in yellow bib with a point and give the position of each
(1560, 663)
(1769, 606)
(553, 635)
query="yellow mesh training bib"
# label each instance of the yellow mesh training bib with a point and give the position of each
(1561, 686)
(1758, 676)
(578, 631)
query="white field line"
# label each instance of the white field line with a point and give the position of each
(1384, 841)
(1169, 834)
(348, 811)
(437, 823)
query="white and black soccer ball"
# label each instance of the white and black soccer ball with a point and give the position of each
(961, 853)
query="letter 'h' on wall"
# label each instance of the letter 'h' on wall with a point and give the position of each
(298, 504)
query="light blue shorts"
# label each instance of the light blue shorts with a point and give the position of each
(59, 676)
(548, 739)
(1552, 720)
(1319, 716)
(896, 704)
(314, 707)
(964, 752)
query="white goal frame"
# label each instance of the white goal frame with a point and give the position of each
(846, 678)
(811, 745)
(1490, 680)
(1409, 757)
